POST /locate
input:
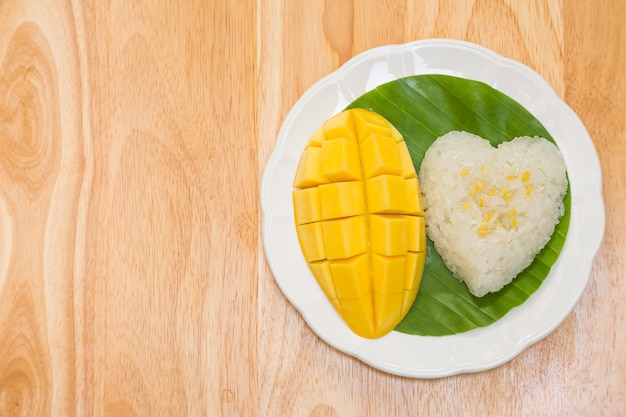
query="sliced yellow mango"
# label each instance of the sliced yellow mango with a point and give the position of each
(307, 205)
(413, 197)
(321, 271)
(388, 268)
(389, 234)
(386, 312)
(359, 219)
(351, 276)
(340, 126)
(416, 239)
(317, 138)
(386, 194)
(414, 269)
(344, 238)
(341, 199)
(340, 160)
(407, 301)
(408, 169)
(358, 313)
(381, 155)
(309, 173)
(311, 239)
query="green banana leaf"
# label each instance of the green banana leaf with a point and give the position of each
(424, 107)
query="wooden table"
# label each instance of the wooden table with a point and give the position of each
(133, 136)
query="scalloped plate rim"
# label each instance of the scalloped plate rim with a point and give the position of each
(384, 353)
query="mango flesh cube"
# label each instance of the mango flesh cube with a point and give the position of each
(358, 313)
(386, 311)
(340, 126)
(359, 216)
(368, 123)
(311, 240)
(407, 301)
(323, 275)
(340, 160)
(416, 237)
(389, 234)
(317, 138)
(412, 194)
(395, 134)
(390, 271)
(408, 170)
(351, 276)
(386, 194)
(414, 269)
(309, 171)
(344, 238)
(307, 207)
(341, 199)
(380, 156)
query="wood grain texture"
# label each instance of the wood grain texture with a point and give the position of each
(133, 137)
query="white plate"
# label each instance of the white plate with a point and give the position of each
(475, 350)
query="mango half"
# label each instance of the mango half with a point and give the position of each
(360, 220)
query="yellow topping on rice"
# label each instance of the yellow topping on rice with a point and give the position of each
(495, 204)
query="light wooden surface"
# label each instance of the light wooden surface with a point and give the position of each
(133, 136)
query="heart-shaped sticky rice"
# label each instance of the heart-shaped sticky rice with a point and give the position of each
(489, 211)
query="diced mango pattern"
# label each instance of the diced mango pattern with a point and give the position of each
(360, 220)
